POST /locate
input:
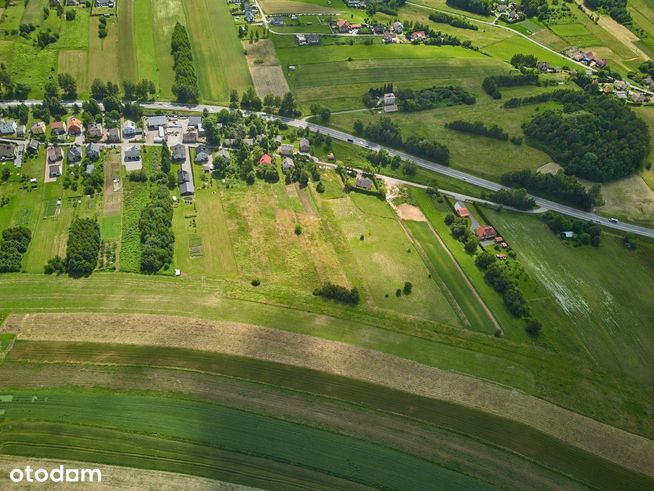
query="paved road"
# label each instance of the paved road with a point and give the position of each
(438, 168)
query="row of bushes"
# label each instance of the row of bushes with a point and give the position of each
(185, 87)
(478, 128)
(555, 95)
(13, 246)
(564, 188)
(585, 232)
(155, 226)
(516, 198)
(453, 20)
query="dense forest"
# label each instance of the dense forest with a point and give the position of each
(185, 87)
(598, 139)
(157, 238)
(83, 247)
(478, 128)
(453, 20)
(13, 246)
(481, 7)
(560, 186)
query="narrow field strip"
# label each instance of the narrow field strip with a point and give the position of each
(626, 449)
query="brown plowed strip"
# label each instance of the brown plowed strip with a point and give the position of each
(626, 449)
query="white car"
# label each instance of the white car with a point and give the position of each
(613, 220)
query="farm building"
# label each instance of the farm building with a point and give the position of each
(567, 235)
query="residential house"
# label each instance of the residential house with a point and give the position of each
(301, 39)
(7, 151)
(313, 39)
(286, 150)
(58, 128)
(277, 21)
(20, 131)
(265, 159)
(364, 183)
(93, 151)
(620, 85)
(74, 127)
(74, 154)
(104, 3)
(278, 139)
(113, 135)
(54, 170)
(156, 122)
(231, 142)
(133, 154)
(621, 94)
(485, 232)
(224, 154)
(249, 16)
(55, 154)
(178, 153)
(287, 164)
(129, 129)
(33, 146)
(417, 36)
(95, 131)
(185, 181)
(201, 154)
(462, 211)
(305, 145)
(398, 27)
(355, 27)
(501, 256)
(38, 129)
(637, 97)
(72, 3)
(190, 136)
(390, 37)
(389, 99)
(7, 127)
(342, 25)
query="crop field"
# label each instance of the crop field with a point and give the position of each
(642, 13)
(576, 34)
(482, 156)
(308, 7)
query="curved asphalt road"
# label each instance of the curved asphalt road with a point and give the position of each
(441, 169)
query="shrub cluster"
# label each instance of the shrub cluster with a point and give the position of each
(157, 238)
(185, 87)
(520, 60)
(419, 100)
(556, 95)
(83, 247)
(584, 232)
(491, 84)
(502, 280)
(478, 128)
(559, 185)
(13, 246)
(338, 293)
(617, 9)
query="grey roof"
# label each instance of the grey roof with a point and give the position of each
(92, 149)
(286, 149)
(287, 163)
(133, 153)
(34, 144)
(185, 181)
(7, 127)
(179, 152)
(195, 121)
(90, 168)
(75, 153)
(201, 154)
(114, 134)
(155, 121)
(304, 143)
(364, 183)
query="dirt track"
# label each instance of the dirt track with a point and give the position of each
(630, 451)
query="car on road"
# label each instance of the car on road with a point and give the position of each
(350, 140)
(613, 220)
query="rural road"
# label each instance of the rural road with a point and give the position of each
(426, 164)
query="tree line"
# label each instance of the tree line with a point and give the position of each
(478, 128)
(13, 247)
(410, 100)
(452, 20)
(481, 7)
(155, 226)
(594, 137)
(492, 83)
(516, 198)
(560, 186)
(617, 9)
(559, 95)
(387, 132)
(185, 87)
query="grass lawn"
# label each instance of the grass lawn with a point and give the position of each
(127, 58)
(594, 286)
(163, 16)
(486, 157)
(576, 34)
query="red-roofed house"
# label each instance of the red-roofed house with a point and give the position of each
(485, 232)
(342, 25)
(355, 26)
(74, 126)
(463, 212)
(265, 159)
(418, 35)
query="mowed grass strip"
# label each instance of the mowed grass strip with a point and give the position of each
(127, 59)
(105, 58)
(218, 55)
(236, 431)
(495, 430)
(144, 40)
(163, 16)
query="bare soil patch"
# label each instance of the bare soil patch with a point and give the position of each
(409, 212)
(113, 477)
(622, 34)
(626, 449)
(629, 198)
(265, 68)
(549, 168)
